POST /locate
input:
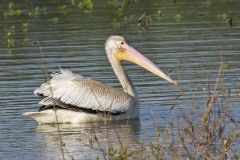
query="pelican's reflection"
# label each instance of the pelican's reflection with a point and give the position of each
(86, 140)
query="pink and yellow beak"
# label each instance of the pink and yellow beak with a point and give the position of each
(128, 53)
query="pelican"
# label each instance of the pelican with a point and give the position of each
(72, 98)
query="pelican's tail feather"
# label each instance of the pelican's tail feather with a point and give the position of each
(41, 117)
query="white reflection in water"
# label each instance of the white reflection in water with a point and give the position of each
(76, 138)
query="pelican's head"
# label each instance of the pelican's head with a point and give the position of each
(118, 49)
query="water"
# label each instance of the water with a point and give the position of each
(188, 40)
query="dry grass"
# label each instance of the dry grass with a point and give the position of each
(212, 135)
(209, 135)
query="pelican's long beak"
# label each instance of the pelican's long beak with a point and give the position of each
(128, 53)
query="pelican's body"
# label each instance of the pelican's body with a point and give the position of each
(71, 98)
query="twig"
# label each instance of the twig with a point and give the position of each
(54, 106)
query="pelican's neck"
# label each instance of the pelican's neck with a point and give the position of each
(123, 77)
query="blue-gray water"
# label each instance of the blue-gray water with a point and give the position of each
(186, 39)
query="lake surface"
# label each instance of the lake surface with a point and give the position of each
(186, 39)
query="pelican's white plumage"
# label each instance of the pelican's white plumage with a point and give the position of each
(77, 99)
(77, 90)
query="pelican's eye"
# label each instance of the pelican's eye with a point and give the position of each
(122, 46)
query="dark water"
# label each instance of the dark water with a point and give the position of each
(186, 39)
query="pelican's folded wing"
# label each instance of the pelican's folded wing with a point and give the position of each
(79, 91)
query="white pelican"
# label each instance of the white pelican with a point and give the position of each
(72, 98)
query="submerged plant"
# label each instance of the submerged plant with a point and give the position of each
(10, 36)
(12, 10)
(144, 21)
(178, 17)
(85, 4)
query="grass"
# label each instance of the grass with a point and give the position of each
(208, 134)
